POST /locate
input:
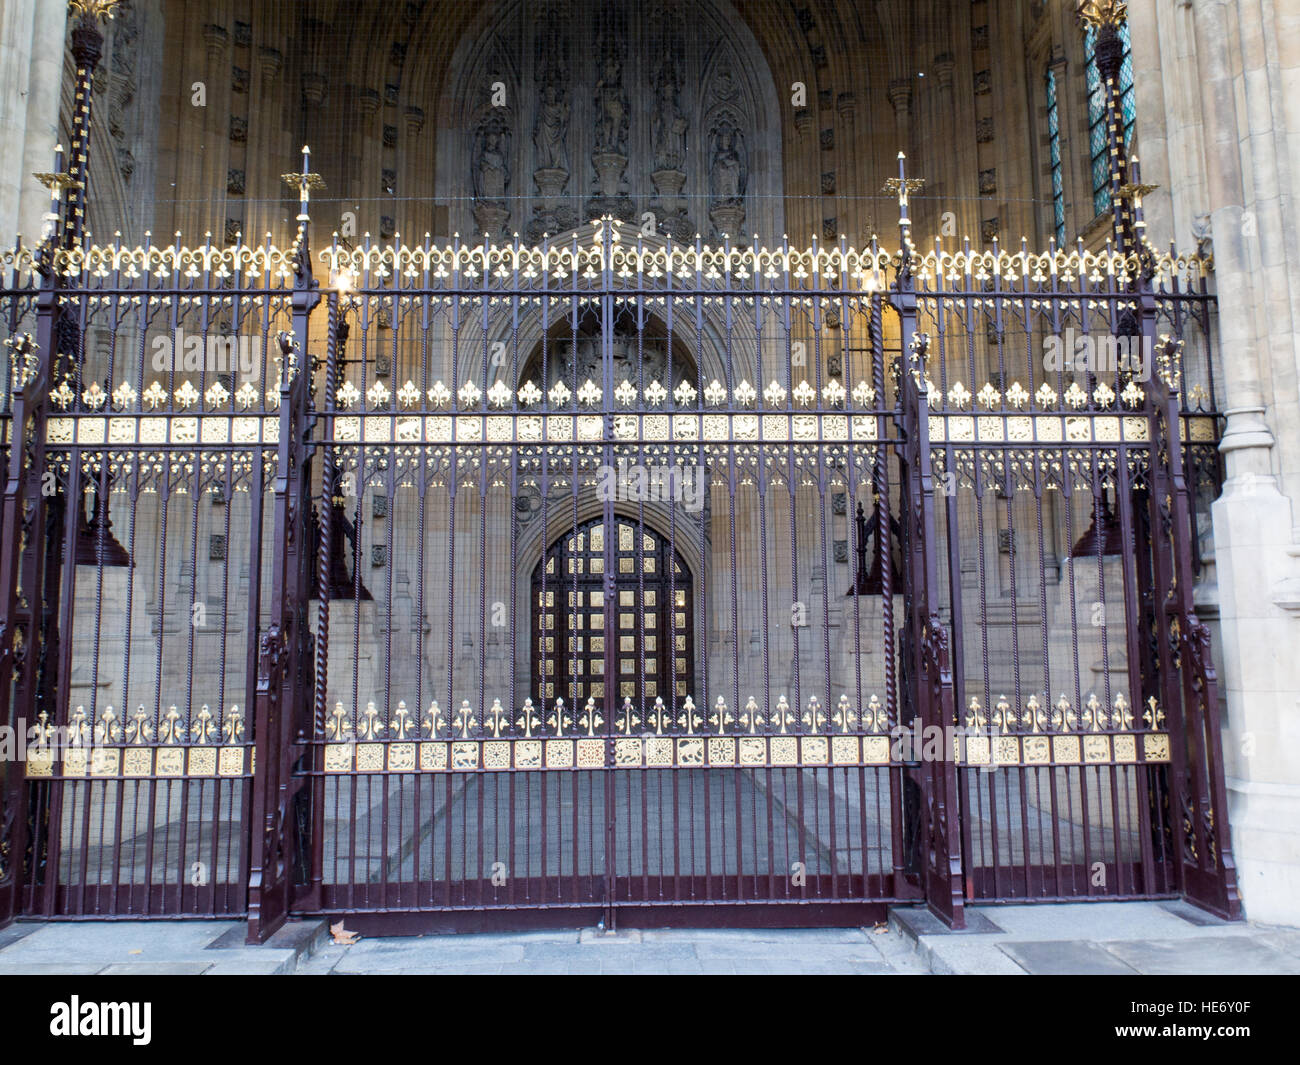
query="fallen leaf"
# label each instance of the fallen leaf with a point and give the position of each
(342, 937)
(135, 951)
(880, 929)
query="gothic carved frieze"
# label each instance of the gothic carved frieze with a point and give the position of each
(654, 113)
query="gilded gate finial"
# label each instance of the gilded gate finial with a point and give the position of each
(98, 9)
(1098, 13)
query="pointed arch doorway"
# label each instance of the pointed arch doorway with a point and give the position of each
(652, 623)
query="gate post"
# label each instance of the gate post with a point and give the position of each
(23, 513)
(34, 553)
(1185, 686)
(285, 671)
(926, 639)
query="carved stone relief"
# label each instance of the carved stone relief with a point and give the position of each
(651, 113)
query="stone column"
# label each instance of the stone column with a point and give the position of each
(31, 68)
(1258, 273)
(942, 164)
(900, 95)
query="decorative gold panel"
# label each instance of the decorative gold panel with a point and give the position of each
(401, 757)
(214, 430)
(170, 762)
(184, 430)
(1037, 750)
(338, 757)
(121, 431)
(814, 750)
(60, 430)
(1125, 748)
(845, 750)
(370, 757)
(91, 430)
(202, 762)
(230, 761)
(245, 430)
(1136, 429)
(433, 756)
(138, 761)
(1155, 748)
(1048, 429)
(1065, 748)
(1096, 749)
(875, 750)
(40, 763)
(1006, 750)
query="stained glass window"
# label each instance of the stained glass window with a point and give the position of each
(1097, 113)
(1054, 151)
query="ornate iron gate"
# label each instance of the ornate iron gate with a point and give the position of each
(609, 575)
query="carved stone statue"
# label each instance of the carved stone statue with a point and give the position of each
(491, 161)
(611, 108)
(728, 164)
(552, 128)
(669, 123)
(490, 173)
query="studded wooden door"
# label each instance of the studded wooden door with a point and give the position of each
(653, 654)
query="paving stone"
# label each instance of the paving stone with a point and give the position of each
(245, 966)
(672, 969)
(795, 951)
(15, 932)
(555, 969)
(900, 953)
(1193, 915)
(1096, 921)
(265, 956)
(439, 950)
(917, 921)
(1065, 957)
(1285, 940)
(623, 935)
(963, 955)
(130, 942)
(421, 970)
(1205, 955)
(810, 968)
(298, 936)
(49, 968)
(1093, 937)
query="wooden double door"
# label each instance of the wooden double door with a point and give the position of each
(651, 654)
